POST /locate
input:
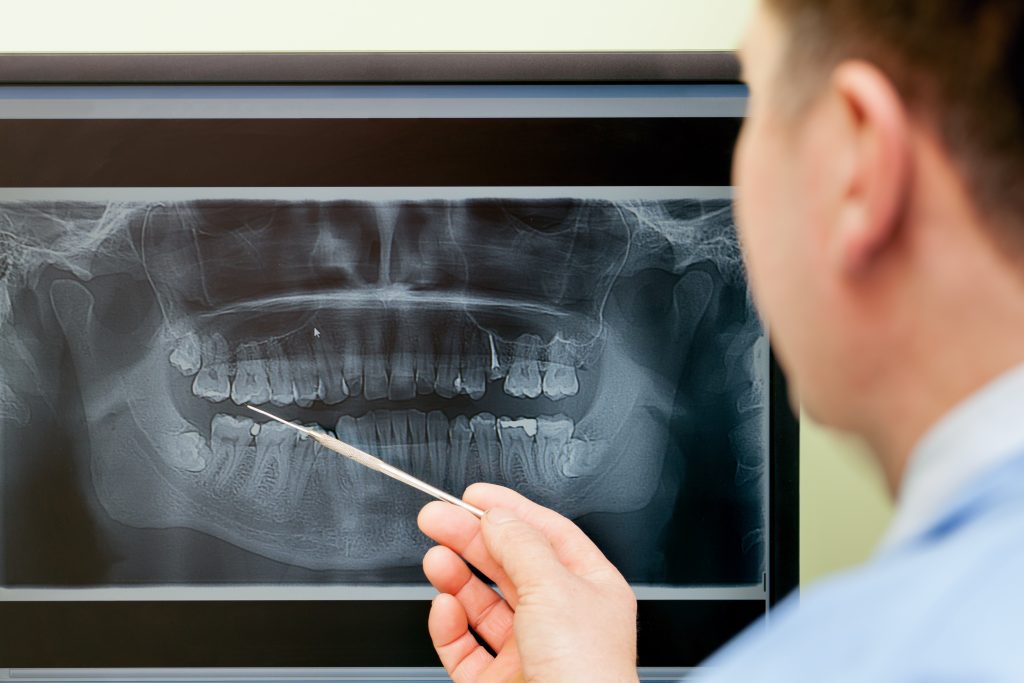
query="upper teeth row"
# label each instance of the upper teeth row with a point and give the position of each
(268, 372)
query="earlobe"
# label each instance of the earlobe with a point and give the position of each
(878, 183)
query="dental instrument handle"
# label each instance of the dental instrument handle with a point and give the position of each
(374, 463)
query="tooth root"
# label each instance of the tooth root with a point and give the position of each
(213, 381)
(446, 382)
(436, 435)
(352, 474)
(186, 356)
(462, 468)
(303, 460)
(274, 444)
(280, 380)
(402, 384)
(518, 459)
(497, 364)
(251, 384)
(416, 449)
(193, 455)
(553, 435)
(560, 381)
(230, 443)
(523, 380)
(332, 389)
(485, 437)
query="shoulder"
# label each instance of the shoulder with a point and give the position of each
(945, 608)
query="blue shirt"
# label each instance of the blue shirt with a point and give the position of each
(943, 602)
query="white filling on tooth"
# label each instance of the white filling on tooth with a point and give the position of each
(494, 352)
(528, 425)
(255, 429)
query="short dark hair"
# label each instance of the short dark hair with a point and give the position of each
(960, 63)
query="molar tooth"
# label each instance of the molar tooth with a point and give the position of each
(213, 381)
(485, 436)
(461, 468)
(580, 458)
(250, 384)
(560, 378)
(275, 443)
(230, 443)
(523, 378)
(193, 455)
(186, 356)
(517, 448)
(553, 434)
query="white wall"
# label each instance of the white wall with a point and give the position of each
(240, 25)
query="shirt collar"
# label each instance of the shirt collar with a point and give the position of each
(981, 433)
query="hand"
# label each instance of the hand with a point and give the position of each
(567, 614)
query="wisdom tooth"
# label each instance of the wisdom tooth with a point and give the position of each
(192, 456)
(250, 384)
(213, 381)
(186, 355)
(523, 378)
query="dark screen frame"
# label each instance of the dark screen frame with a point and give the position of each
(97, 634)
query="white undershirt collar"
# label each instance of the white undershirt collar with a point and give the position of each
(982, 432)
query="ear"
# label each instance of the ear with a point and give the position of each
(877, 175)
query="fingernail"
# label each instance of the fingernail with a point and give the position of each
(499, 516)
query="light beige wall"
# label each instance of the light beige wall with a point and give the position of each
(843, 509)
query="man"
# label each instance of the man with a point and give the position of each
(880, 182)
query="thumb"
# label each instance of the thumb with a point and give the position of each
(522, 551)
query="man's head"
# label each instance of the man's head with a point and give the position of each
(880, 186)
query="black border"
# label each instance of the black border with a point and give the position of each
(95, 634)
(369, 68)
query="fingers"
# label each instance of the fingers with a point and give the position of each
(488, 614)
(571, 545)
(457, 529)
(463, 658)
(523, 551)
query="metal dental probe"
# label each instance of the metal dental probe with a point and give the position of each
(374, 463)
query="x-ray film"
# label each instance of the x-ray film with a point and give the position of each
(600, 356)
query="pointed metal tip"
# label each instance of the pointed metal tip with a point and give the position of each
(282, 421)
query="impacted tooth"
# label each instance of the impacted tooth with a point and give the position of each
(213, 381)
(523, 378)
(192, 456)
(186, 356)
(251, 384)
